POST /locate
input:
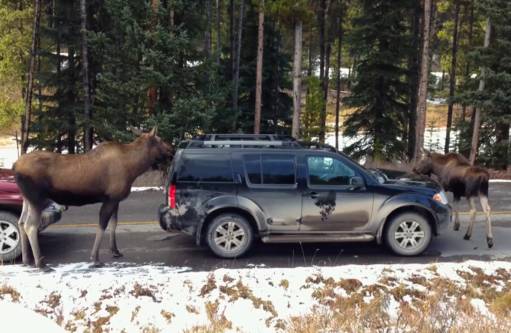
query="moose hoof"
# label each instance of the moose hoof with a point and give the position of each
(117, 254)
(456, 226)
(44, 268)
(489, 241)
(97, 264)
(467, 237)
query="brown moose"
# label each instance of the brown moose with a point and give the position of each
(457, 175)
(103, 175)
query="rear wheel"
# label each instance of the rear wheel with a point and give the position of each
(10, 238)
(408, 234)
(229, 235)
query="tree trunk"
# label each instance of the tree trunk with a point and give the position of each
(259, 69)
(232, 39)
(452, 77)
(218, 32)
(237, 65)
(413, 67)
(30, 79)
(477, 112)
(469, 47)
(423, 82)
(207, 33)
(338, 83)
(71, 96)
(87, 136)
(322, 51)
(152, 92)
(297, 79)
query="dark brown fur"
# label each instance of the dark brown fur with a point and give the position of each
(455, 173)
(105, 175)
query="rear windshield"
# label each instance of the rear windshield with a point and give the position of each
(270, 169)
(205, 168)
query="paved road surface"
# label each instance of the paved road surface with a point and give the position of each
(142, 241)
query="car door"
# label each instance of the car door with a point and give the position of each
(270, 183)
(335, 197)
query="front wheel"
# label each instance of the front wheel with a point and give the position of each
(229, 235)
(408, 234)
(10, 238)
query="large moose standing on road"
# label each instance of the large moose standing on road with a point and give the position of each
(456, 175)
(105, 175)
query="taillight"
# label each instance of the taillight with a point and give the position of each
(172, 196)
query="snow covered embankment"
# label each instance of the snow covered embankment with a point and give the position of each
(445, 296)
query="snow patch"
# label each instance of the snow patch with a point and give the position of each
(132, 298)
(16, 318)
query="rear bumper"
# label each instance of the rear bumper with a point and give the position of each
(50, 215)
(167, 221)
(171, 220)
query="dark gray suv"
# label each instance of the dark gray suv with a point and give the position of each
(226, 191)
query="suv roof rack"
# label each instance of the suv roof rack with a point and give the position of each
(236, 140)
(239, 144)
(243, 137)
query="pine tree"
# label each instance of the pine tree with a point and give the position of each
(380, 93)
(494, 99)
(15, 26)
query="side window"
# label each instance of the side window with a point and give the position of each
(278, 169)
(270, 169)
(206, 168)
(324, 170)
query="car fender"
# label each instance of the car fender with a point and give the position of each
(228, 202)
(398, 202)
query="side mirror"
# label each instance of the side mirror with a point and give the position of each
(356, 182)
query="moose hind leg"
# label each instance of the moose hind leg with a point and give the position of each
(487, 211)
(455, 206)
(25, 245)
(473, 213)
(105, 213)
(32, 231)
(113, 241)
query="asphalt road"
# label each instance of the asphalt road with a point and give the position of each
(142, 241)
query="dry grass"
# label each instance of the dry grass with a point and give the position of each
(441, 306)
(8, 290)
(209, 286)
(139, 291)
(217, 321)
(167, 315)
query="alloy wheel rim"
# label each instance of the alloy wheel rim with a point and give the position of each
(409, 234)
(229, 236)
(9, 237)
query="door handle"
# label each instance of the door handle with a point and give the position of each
(313, 195)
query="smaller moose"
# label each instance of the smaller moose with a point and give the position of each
(456, 175)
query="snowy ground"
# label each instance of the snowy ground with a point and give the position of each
(257, 299)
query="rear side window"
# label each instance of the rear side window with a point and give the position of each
(206, 168)
(270, 169)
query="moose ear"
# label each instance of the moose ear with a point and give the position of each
(154, 131)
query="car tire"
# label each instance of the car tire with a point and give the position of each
(10, 237)
(408, 234)
(229, 235)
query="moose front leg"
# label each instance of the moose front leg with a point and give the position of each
(113, 242)
(106, 211)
